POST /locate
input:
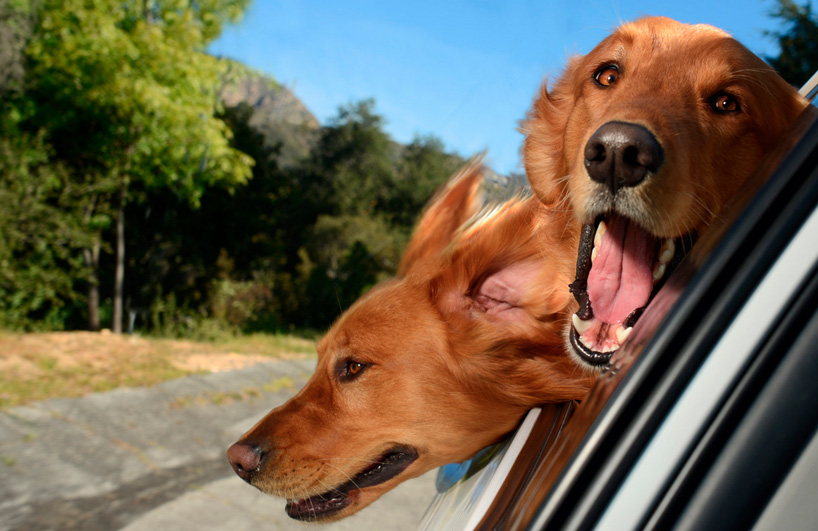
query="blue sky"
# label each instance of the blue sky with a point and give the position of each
(464, 71)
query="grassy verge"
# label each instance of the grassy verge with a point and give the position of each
(69, 364)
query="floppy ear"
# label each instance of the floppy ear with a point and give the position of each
(509, 270)
(544, 130)
(780, 110)
(452, 205)
(502, 291)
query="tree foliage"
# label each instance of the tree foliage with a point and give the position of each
(38, 236)
(16, 19)
(296, 244)
(133, 103)
(139, 88)
(110, 117)
(798, 42)
(367, 192)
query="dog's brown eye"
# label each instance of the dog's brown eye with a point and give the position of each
(607, 75)
(725, 103)
(350, 369)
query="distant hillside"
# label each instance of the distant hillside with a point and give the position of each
(277, 114)
(280, 117)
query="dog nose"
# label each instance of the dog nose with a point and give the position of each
(245, 459)
(621, 154)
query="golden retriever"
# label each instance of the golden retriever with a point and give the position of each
(431, 367)
(644, 139)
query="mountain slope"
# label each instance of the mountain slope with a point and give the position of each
(277, 114)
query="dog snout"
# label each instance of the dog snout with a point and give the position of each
(621, 154)
(245, 459)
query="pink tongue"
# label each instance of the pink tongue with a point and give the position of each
(621, 276)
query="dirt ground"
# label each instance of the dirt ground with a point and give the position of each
(43, 365)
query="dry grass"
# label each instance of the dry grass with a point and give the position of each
(69, 364)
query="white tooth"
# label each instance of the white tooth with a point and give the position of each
(580, 325)
(659, 272)
(593, 254)
(600, 230)
(587, 345)
(622, 333)
(667, 251)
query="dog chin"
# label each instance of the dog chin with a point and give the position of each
(364, 488)
(328, 508)
(580, 356)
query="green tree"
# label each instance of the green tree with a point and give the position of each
(424, 165)
(351, 162)
(16, 19)
(128, 97)
(40, 236)
(363, 193)
(344, 256)
(798, 42)
(234, 238)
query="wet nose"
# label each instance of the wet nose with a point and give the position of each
(245, 459)
(621, 154)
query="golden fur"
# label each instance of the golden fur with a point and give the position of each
(449, 355)
(668, 74)
(714, 108)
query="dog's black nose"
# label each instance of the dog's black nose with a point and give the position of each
(245, 459)
(621, 154)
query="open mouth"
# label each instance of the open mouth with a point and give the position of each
(620, 267)
(386, 467)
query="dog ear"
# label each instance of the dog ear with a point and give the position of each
(505, 295)
(544, 130)
(452, 205)
(502, 291)
(781, 108)
(509, 269)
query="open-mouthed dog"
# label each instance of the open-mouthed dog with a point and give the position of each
(644, 139)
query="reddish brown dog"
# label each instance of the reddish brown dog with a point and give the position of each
(432, 366)
(644, 139)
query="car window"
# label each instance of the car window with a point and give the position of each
(793, 506)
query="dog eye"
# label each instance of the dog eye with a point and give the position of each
(725, 103)
(607, 76)
(350, 369)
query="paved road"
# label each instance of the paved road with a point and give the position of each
(151, 459)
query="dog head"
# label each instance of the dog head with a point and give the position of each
(644, 139)
(430, 367)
